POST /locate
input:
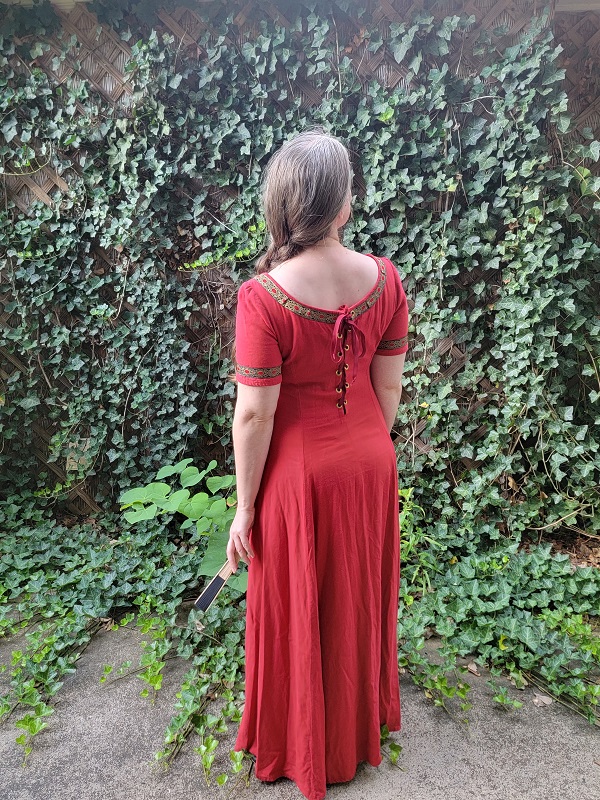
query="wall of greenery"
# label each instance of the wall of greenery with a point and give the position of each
(465, 181)
(105, 349)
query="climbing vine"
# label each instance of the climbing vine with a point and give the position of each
(467, 180)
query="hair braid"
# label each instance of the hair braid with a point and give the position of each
(305, 186)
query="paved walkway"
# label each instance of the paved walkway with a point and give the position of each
(101, 741)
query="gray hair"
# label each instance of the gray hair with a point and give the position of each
(305, 186)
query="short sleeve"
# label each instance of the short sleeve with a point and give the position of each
(257, 354)
(395, 338)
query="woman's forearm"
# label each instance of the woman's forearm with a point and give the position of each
(389, 400)
(251, 441)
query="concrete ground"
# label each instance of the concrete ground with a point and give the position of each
(102, 738)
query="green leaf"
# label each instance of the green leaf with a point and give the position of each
(217, 483)
(191, 476)
(156, 491)
(195, 507)
(203, 525)
(148, 512)
(215, 554)
(395, 751)
(174, 500)
(216, 509)
(175, 469)
(146, 494)
(29, 402)
(137, 495)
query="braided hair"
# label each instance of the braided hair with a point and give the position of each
(305, 186)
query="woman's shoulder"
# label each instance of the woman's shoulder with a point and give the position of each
(258, 292)
(251, 284)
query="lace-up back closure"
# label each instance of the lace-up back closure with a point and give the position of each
(348, 340)
(346, 329)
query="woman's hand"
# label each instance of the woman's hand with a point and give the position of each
(239, 543)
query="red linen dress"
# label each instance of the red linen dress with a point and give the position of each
(322, 602)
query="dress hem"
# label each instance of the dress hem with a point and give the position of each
(271, 777)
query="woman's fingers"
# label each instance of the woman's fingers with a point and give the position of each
(238, 547)
(239, 542)
(232, 555)
(246, 553)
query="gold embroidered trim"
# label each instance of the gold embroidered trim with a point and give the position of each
(392, 344)
(258, 372)
(308, 312)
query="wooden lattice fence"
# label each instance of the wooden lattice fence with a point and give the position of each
(103, 55)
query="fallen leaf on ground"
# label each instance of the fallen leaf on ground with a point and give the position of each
(541, 699)
(472, 667)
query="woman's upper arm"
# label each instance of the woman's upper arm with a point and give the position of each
(257, 355)
(257, 352)
(386, 371)
(394, 340)
(258, 403)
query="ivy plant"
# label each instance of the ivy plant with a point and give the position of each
(467, 179)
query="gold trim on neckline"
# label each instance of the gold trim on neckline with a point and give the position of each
(321, 314)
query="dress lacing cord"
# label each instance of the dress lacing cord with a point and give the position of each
(346, 336)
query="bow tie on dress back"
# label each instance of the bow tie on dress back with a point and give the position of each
(346, 336)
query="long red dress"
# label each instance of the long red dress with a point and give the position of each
(322, 601)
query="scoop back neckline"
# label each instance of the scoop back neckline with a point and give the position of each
(336, 311)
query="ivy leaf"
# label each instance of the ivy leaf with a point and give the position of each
(29, 402)
(9, 128)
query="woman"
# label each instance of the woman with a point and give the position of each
(321, 334)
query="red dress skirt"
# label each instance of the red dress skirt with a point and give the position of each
(322, 602)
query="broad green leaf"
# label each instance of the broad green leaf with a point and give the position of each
(203, 525)
(137, 495)
(217, 483)
(149, 512)
(175, 469)
(191, 476)
(215, 554)
(145, 494)
(216, 509)
(173, 501)
(195, 507)
(155, 491)
(214, 558)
